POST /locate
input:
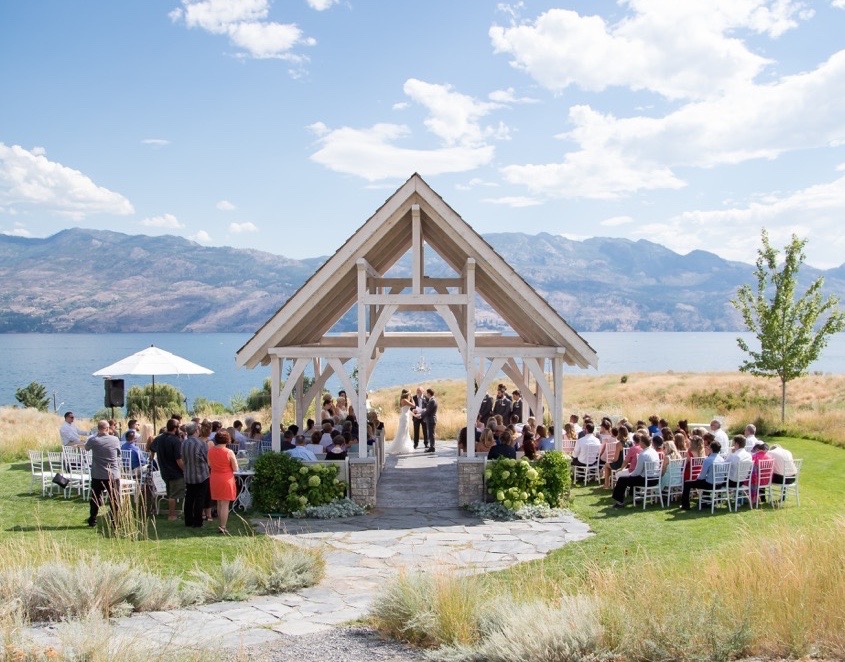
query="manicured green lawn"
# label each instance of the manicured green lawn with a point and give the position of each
(172, 548)
(679, 536)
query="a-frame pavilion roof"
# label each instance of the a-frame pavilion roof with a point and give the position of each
(382, 240)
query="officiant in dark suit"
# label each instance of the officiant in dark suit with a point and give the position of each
(430, 418)
(420, 401)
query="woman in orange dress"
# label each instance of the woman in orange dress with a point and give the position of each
(222, 464)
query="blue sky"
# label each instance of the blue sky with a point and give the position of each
(283, 125)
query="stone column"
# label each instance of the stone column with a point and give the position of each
(363, 478)
(471, 480)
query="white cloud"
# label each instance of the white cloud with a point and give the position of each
(240, 228)
(321, 5)
(29, 178)
(475, 181)
(816, 211)
(155, 142)
(401, 105)
(838, 4)
(19, 230)
(453, 117)
(514, 201)
(508, 96)
(225, 205)
(371, 154)
(619, 156)
(245, 23)
(165, 221)
(201, 237)
(680, 50)
(616, 221)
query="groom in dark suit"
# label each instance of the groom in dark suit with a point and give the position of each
(420, 401)
(430, 418)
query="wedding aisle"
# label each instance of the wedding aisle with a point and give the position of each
(420, 480)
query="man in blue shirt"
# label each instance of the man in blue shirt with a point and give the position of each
(706, 477)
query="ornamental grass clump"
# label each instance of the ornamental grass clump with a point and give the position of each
(519, 483)
(283, 484)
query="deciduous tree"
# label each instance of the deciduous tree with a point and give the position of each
(792, 330)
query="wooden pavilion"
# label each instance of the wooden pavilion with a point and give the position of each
(413, 218)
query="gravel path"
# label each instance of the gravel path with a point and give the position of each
(353, 644)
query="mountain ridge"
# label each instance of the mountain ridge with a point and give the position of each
(83, 280)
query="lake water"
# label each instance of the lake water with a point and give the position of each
(64, 362)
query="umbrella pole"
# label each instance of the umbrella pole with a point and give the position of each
(155, 429)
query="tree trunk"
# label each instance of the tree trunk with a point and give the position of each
(782, 401)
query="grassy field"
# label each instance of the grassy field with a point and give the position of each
(768, 582)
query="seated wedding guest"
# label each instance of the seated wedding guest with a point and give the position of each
(135, 426)
(637, 477)
(545, 438)
(683, 428)
(255, 433)
(309, 426)
(586, 445)
(287, 440)
(337, 450)
(657, 445)
(326, 434)
(783, 471)
(526, 436)
(629, 464)
(569, 433)
(315, 446)
(738, 454)
(707, 477)
(531, 423)
(667, 433)
(605, 433)
(504, 448)
(301, 452)
(695, 449)
(616, 459)
(760, 453)
(529, 448)
(750, 439)
(69, 433)
(240, 438)
(653, 427)
(573, 423)
(131, 445)
(485, 442)
(680, 442)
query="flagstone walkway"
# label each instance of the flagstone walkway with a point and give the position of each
(415, 527)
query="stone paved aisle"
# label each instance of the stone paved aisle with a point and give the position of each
(415, 527)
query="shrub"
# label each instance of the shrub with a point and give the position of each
(259, 398)
(204, 406)
(168, 399)
(517, 483)
(283, 484)
(33, 395)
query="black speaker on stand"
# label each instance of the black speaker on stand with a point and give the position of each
(114, 394)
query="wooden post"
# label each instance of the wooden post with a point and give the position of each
(469, 358)
(557, 405)
(361, 403)
(275, 402)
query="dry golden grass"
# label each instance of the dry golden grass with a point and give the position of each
(29, 429)
(815, 403)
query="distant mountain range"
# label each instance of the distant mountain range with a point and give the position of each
(100, 281)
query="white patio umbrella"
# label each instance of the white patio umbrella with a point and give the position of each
(153, 361)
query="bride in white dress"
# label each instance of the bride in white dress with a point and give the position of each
(402, 442)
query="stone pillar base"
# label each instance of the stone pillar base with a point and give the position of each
(363, 476)
(471, 480)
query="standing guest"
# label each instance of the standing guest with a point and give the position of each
(301, 452)
(485, 411)
(750, 440)
(707, 478)
(718, 433)
(504, 448)
(255, 433)
(240, 438)
(145, 438)
(430, 418)
(69, 433)
(328, 412)
(502, 406)
(205, 434)
(222, 465)
(105, 472)
(195, 459)
(167, 449)
(516, 405)
(637, 477)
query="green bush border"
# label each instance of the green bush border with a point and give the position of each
(283, 484)
(519, 483)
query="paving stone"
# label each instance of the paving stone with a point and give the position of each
(253, 637)
(298, 628)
